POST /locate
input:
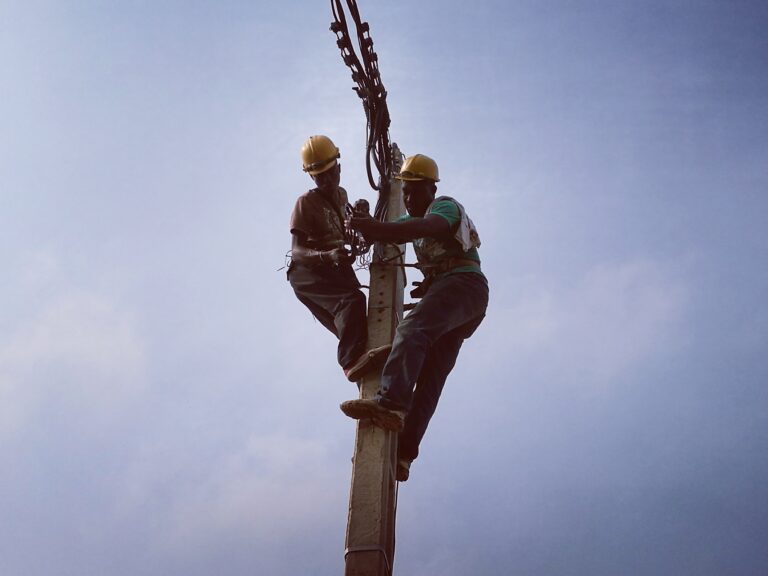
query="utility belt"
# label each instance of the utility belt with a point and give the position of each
(432, 270)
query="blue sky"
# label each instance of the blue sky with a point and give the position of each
(168, 407)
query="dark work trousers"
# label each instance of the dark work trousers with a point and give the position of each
(425, 348)
(332, 294)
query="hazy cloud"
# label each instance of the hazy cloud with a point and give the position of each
(69, 345)
(167, 407)
(601, 325)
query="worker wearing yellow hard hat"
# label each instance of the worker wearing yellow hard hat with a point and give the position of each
(320, 272)
(454, 297)
(419, 167)
(319, 154)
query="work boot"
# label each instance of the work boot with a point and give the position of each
(366, 361)
(403, 470)
(391, 420)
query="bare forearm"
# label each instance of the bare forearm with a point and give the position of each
(402, 231)
(303, 254)
(309, 256)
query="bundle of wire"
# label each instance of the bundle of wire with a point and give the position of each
(365, 74)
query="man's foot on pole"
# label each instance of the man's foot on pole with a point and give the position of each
(403, 470)
(360, 409)
(366, 362)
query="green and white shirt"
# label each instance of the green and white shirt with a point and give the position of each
(430, 251)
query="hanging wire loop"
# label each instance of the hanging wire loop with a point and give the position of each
(368, 86)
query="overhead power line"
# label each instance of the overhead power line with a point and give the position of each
(365, 74)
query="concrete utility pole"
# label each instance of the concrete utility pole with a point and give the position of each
(370, 543)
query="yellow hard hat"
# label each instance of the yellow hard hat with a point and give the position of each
(418, 167)
(319, 154)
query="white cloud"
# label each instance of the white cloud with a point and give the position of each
(66, 344)
(601, 326)
(272, 489)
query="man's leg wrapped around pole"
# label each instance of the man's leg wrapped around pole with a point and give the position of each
(333, 296)
(454, 302)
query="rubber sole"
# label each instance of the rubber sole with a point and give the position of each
(367, 362)
(369, 409)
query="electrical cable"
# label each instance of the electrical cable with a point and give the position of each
(366, 76)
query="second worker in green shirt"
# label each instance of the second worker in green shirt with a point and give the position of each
(454, 301)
